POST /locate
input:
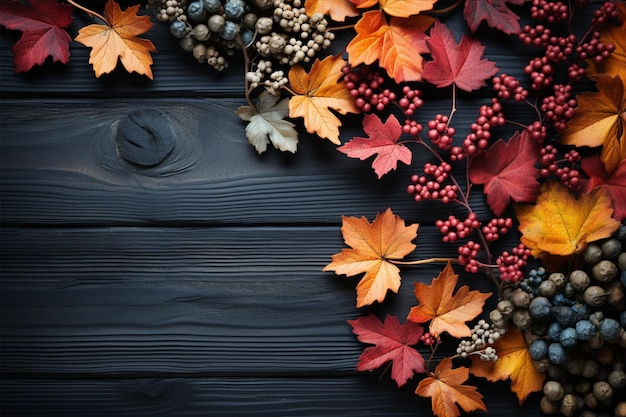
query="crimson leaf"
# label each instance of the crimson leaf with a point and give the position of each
(494, 12)
(615, 183)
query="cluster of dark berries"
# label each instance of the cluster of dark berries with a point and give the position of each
(368, 86)
(564, 170)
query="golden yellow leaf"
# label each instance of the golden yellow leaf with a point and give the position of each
(560, 224)
(446, 310)
(118, 39)
(600, 120)
(514, 362)
(399, 8)
(316, 93)
(396, 44)
(372, 246)
(445, 387)
(615, 34)
(337, 9)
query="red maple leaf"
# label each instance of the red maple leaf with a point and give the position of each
(42, 24)
(494, 12)
(392, 342)
(460, 64)
(383, 140)
(615, 183)
(508, 171)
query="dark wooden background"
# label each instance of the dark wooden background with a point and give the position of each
(195, 288)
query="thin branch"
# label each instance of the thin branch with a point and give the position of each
(89, 11)
(246, 61)
(424, 261)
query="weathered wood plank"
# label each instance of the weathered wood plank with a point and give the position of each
(232, 300)
(222, 396)
(60, 165)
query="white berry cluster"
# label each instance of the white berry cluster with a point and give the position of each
(484, 334)
(265, 75)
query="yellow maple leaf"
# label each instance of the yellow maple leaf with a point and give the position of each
(118, 39)
(396, 44)
(445, 387)
(447, 311)
(560, 224)
(337, 9)
(372, 246)
(399, 8)
(615, 34)
(514, 362)
(600, 120)
(316, 93)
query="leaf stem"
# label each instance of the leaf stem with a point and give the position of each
(89, 11)
(445, 10)
(424, 261)
(246, 60)
(340, 28)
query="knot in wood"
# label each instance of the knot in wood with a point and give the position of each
(145, 137)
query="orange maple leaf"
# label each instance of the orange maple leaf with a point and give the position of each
(337, 9)
(316, 93)
(600, 120)
(560, 224)
(615, 34)
(118, 39)
(396, 44)
(373, 245)
(514, 362)
(399, 8)
(445, 311)
(445, 387)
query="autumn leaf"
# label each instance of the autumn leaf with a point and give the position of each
(396, 44)
(600, 120)
(495, 13)
(118, 39)
(615, 183)
(316, 93)
(445, 387)
(373, 245)
(460, 64)
(447, 312)
(383, 140)
(615, 64)
(560, 224)
(392, 342)
(338, 10)
(508, 172)
(514, 362)
(399, 8)
(42, 23)
(267, 124)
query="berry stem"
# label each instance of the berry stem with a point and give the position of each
(340, 28)
(424, 261)
(89, 11)
(246, 68)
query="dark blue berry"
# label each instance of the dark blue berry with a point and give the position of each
(585, 329)
(568, 338)
(540, 308)
(212, 6)
(234, 8)
(538, 349)
(556, 353)
(554, 330)
(179, 29)
(230, 31)
(580, 310)
(561, 300)
(195, 10)
(610, 329)
(564, 315)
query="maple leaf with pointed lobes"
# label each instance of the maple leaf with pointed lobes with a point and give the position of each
(392, 342)
(495, 13)
(396, 44)
(615, 183)
(319, 91)
(399, 8)
(514, 363)
(338, 10)
(600, 120)
(447, 312)
(445, 388)
(118, 39)
(560, 224)
(508, 172)
(460, 64)
(42, 24)
(615, 64)
(383, 140)
(373, 245)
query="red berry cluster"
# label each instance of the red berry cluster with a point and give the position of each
(510, 264)
(541, 72)
(410, 101)
(454, 229)
(467, 256)
(549, 11)
(508, 87)
(496, 227)
(489, 116)
(564, 170)
(366, 85)
(537, 131)
(440, 132)
(605, 14)
(538, 36)
(411, 127)
(430, 185)
(559, 108)
(595, 49)
(428, 339)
